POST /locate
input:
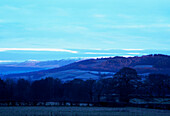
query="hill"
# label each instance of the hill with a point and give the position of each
(95, 67)
(31, 65)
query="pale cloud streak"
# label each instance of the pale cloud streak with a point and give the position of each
(136, 26)
(112, 53)
(99, 53)
(125, 16)
(10, 7)
(37, 49)
(133, 49)
(134, 53)
(99, 16)
(2, 21)
(5, 61)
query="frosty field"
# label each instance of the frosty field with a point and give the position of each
(80, 111)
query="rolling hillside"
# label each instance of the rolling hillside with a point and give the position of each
(94, 67)
(30, 66)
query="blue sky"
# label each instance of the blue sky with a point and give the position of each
(84, 24)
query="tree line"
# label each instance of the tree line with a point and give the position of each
(125, 85)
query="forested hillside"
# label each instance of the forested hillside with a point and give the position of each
(143, 65)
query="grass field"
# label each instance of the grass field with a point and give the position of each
(80, 111)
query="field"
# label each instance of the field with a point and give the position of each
(80, 111)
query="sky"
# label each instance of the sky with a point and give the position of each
(67, 25)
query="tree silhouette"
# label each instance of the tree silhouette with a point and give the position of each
(127, 80)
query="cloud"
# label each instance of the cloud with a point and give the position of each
(6, 61)
(124, 16)
(134, 53)
(31, 60)
(136, 26)
(67, 29)
(99, 16)
(133, 49)
(113, 53)
(10, 7)
(37, 49)
(126, 56)
(2, 21)
(83, 58)
(73, 29)
(99, 53)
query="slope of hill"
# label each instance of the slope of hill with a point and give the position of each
(30, 66)
(141, 64)
(144, 65)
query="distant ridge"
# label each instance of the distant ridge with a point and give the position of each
(157, 63)
(33, 65)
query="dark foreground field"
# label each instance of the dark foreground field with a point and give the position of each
(80, 111)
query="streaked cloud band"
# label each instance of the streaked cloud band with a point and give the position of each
(98, 53)
(37, 49)
(133, 49)
(6, 61)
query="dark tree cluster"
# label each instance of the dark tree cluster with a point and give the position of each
(124, 85)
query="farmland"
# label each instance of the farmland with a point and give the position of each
(80, 111)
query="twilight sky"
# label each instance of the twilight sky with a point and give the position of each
(65, 25)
